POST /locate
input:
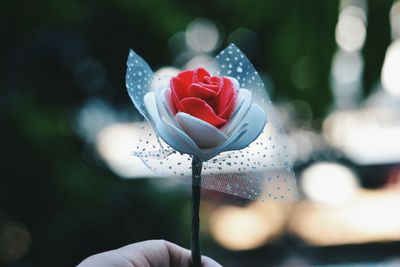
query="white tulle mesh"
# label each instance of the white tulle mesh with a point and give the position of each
(260, 171)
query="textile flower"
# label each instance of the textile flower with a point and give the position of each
(219, 119)
(204, 115)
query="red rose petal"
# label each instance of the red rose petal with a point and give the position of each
(178, 87)
(229, 109)
(200, 75)
(216, 80)
(213, 87)
(177, 103)
(186, 77)
(200, 109)
(224, 96)
(197, 90)
(215, 83)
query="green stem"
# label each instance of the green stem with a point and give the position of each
(196, 191)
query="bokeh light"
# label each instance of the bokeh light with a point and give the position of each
(115, 144)
(202, 35)
(329, 183)
(351, 28)
(348, 63)
(390, 70)
(15, 241)
(395, 19)
(367, 136)
(162, 77)
(239, 229)
(204, 61)
(244, 228)
(303, 143)
(347, 69)
(93, 116)
(369, 217)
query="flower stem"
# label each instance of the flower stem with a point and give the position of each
(196, 191)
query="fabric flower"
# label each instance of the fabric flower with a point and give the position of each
(204, 115)
(210, 99)
(217, 119)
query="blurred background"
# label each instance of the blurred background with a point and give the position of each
(69, 187)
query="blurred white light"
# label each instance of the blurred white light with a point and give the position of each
(351, 30)
(354, 7)
(395, 20)
(329, 183)
(380, 98)
(203, 61)
(371, 216)
(238, 228)
(367, 136)
(115, 144)
(347, 69)
(391, 68)
(202, 35)
(303, 143)
(162, 77)
(243, 228)
(94, 115)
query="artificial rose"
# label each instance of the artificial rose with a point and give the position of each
(210, 99)
(204, 115)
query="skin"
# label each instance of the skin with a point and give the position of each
(152, 253)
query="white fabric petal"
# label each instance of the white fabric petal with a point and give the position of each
(161, 128)
(240, 111)
(172, 140)
(192, 148)
(202, 133)
(256, 119)
(164, 104)
(182, 137)
(151, 107)
(212, 152)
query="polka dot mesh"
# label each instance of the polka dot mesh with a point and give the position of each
(260, 171)
(138, 81)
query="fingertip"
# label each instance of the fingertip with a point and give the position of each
(181, 256)
(208, 262)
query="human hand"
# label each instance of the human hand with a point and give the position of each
(152, 253)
